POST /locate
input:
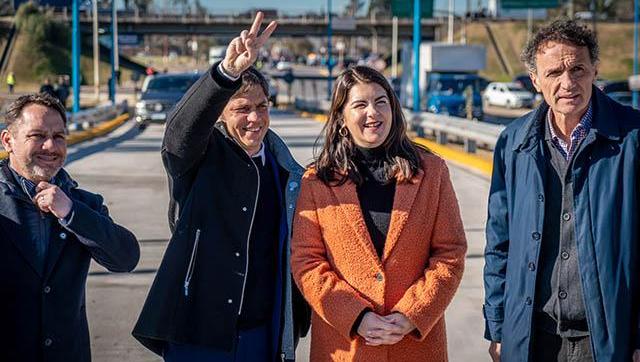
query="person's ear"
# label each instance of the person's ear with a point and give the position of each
(534, 79)
(7, 140)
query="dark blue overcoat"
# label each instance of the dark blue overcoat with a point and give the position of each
(606, 181)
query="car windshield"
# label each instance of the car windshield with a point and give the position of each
(171, 84)
(513, 88)
(452, 86)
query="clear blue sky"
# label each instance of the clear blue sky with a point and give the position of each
(301, 6)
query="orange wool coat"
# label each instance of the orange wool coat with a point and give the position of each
(340, 274)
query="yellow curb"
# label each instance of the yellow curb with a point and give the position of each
(97, 131)
(479, 164)
(464, 159)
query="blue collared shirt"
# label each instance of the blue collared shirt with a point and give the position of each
(577, 135)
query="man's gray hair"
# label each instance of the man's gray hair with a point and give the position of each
(563, 31)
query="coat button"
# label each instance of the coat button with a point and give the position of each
(535, 235)
(527, 301)
(564, 255)
(47, 290)
(244, 208)
(292, 185)
(63, 236)
(291, 206)
(48, 342)
(237, 255)
(541, 197)
(379, 277)
(230, 301)
(562, 294)
(566, 216)
(532, 266)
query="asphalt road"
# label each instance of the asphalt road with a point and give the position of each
(125, 168)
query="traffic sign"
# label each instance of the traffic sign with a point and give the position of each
(529, 4)
(404, 8)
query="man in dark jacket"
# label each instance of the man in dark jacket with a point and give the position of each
(50, 230)
(562, 281)
(224, 291)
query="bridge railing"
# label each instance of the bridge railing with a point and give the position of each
(88, 118)
(445, 129)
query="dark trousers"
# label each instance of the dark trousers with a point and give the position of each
(549, 347)
(251, 345)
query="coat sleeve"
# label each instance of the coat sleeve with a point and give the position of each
(497, 247)
(109, 244)
(332, 298)
(424, 303)
(192, 121)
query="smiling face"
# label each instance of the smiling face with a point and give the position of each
(564, 76)
(246, 117)
(36, 143)
(367, 114)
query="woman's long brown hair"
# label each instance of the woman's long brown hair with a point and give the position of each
(335, 164)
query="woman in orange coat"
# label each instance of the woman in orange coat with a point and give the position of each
(378, 245)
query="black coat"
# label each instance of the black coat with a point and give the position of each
(42, 315)
(213, 185)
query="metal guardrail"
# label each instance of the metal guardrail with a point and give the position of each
(472, 134)
(88, 118)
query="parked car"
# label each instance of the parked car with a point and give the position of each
(283, 65)
(159, 94)
(273, 91)
(510, 95)
(525, 82)
(625, 98)
(609, 86)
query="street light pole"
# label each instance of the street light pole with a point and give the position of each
(96, 52)
(114, 52)
(75, 62)
(636, 10)
(329, 63)
(416, 55)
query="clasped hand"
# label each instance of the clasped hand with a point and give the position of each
(50, 198)
(380, 330)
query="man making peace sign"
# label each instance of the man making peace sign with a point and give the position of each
(223, 291)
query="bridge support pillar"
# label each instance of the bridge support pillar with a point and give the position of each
(441, 137)
(470, 145)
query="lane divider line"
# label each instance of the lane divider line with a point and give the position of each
(94, 132)
(461, 158)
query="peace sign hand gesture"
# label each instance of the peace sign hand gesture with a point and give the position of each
(242, 52)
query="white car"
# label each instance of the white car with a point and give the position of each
(510, 95)
(283, 65)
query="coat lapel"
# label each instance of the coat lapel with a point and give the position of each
(10, 226)
(402, 203)
(350, 205)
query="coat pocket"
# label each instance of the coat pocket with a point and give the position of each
(192, 262)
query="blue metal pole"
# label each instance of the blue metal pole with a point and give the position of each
(329, 62)
(416, 55)
(112, 80)
(636, 10)
(75, 56)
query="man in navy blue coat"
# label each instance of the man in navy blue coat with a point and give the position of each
(49, 232)
(561, 277)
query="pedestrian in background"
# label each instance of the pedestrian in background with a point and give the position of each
(47, 88)
(378, 246)
(562, 281)
(11, 82)
(50, 231)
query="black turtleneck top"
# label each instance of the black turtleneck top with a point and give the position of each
(375, 194)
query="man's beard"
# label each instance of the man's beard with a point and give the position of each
(41, 172)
